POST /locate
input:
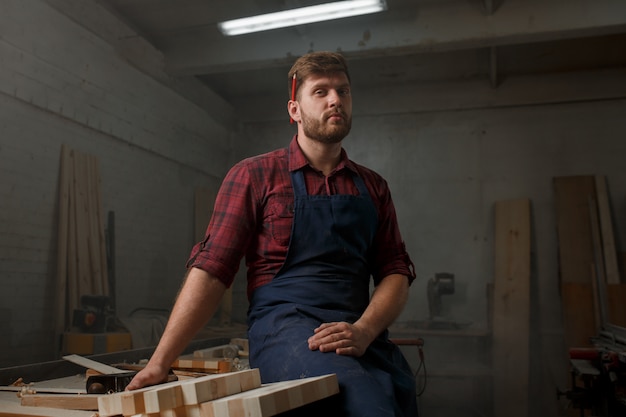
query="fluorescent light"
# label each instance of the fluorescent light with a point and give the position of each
(301, 16)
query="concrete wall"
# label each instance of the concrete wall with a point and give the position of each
(62, 84)
(447, 163)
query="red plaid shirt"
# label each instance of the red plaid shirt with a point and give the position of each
(253, 215)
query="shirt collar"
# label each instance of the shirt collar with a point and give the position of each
(297, 160)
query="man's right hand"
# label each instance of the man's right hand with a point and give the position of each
(150, 375)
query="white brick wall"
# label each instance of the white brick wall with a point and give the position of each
(61, 84)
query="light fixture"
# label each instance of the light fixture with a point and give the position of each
(301, 16)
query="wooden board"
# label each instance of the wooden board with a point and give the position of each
(579, 322)
(511, 307)
(196, 364)
(217, 352)
(97, 366)
(177, 394)
(616, 294)
(571, 199)
(272, 399)
(611, 265)
(64, 401)
(12, 409)
(576, 258)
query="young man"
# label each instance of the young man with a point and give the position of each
(314, 227)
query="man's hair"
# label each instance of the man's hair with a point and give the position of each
(316, 63)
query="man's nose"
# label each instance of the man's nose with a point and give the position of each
(334, 99)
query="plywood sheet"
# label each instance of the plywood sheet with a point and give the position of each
(511, 307)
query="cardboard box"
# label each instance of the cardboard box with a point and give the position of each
(92, 343)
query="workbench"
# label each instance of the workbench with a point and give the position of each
(233, 390)
(64, 374)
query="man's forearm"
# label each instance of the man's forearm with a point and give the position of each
(196, 303)
(388, 301)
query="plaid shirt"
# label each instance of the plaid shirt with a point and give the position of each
(253, 215)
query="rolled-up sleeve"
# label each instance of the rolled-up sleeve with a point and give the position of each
(229, 230)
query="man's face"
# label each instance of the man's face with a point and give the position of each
(326, 107)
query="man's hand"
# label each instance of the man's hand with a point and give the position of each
(150, 375)
(342, 338)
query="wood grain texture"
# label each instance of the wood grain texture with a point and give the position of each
(178, 394)
(571, 199)
(511, 307)
(616, 294)
(611, 265)
(12, 409)
(272, 399)
(64, 401)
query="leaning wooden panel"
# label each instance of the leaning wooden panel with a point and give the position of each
(511, 307)
(272, 399)
(571, 200)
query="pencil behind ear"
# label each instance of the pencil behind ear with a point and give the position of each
(293, 93)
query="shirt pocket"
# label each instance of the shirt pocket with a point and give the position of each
(279, 220)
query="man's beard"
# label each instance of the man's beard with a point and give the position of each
(324, 132)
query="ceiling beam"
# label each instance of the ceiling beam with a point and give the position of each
(433, 27)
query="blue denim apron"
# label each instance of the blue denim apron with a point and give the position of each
(325, 278)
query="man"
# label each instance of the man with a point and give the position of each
(314, 227)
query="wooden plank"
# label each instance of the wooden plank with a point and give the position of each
(578, 321)
(73, 297)
(12, 409)
(599, 272)
(616, 294)
(206, 365)
(177, 394)
(33, 389)
(217, 352)
(98, 366)
(62, 316)
(606, 230)
(272, 399)
(64, 401)
(571, 199)
(185, 411)
(511, 307)
(213, 387)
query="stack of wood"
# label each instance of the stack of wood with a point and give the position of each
(206, 387)
(592, 292)
(81, 256)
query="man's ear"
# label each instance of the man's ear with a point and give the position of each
(293, 108)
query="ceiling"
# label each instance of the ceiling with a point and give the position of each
(414, 41)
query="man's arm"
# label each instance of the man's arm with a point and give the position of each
(386, 304)
(196, 303)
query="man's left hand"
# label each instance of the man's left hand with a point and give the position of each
(340, 337)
